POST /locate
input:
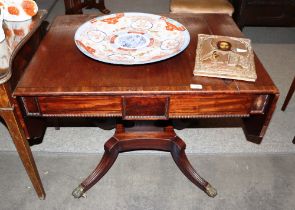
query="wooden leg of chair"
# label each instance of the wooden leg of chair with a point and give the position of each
(23, 150)
(102, 8)
(289, 95)
(100, 5)
(73, 7)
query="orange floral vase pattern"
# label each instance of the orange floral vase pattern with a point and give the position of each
(18, 10)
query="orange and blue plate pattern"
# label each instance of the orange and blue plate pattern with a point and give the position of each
(131, 38)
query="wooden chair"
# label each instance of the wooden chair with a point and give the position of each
(289, 95)
(201, 6)
(76, 6)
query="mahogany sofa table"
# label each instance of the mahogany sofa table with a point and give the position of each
(61, 82)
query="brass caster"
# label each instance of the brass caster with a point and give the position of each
(210, 191)
(78, 192)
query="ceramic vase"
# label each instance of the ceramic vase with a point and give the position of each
(2, 35)
(19, 10)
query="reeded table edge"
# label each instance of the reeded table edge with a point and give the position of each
(41, 15)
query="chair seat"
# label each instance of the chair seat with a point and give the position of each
(201, 6)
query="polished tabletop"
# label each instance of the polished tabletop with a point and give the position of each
(59, 68)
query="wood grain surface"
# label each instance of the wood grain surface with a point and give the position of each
(59, 68)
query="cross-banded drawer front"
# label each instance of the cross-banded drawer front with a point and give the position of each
(209, 105)
(145, 107)
(89, 106)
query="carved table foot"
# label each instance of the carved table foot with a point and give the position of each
(109, 157)
(144, 138)
(180, 158)
(78, 191)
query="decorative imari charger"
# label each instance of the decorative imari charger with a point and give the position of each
(225, 57)
(131, 38)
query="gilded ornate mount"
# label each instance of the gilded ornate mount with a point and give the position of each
(144, 137)
(225, 57)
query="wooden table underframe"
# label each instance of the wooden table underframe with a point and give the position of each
(143, 93)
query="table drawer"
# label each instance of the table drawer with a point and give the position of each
(147, 107)
(101, 106)
(209, 105)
